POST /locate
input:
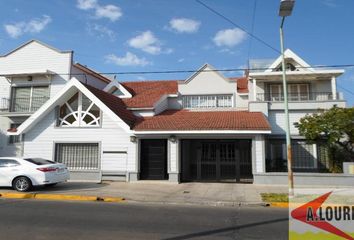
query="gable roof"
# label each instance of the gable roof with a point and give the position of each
(185, 120)
(91, 72)
(109, 104)
(288, 54)
(36, 41)
(206, 65)
(145, 94)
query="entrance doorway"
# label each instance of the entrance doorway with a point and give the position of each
(216, 160)
(153, 159)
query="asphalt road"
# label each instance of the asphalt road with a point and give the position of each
(34, 219)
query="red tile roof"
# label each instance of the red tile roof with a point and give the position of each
(115, 104)
(147, 93)
(180, 120)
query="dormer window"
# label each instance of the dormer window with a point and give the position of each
(117, 92)
(79, 111)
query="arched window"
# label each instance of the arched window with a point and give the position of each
(79, 111)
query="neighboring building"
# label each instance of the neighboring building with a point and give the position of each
(205, 128)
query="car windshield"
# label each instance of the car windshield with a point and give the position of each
(39, 161)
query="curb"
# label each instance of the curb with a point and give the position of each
(59, 197)
(205, 203)
(279, 204)
(295, 205)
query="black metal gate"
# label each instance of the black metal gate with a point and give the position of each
(153, 159)
(216, 160)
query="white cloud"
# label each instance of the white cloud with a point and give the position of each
(184, 25)
(129, 59)
(180, 60)
(330, 3)
(229, 37)
(101, 31)
(14, 30)
(33, 26)
(146, 42)
(37, 25)
(110, 11)
(86, 4)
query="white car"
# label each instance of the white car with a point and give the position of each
(23, 173)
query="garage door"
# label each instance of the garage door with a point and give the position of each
(216, 160)
(153, 159)
(82, 159)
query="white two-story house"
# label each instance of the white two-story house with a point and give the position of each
(205, 128)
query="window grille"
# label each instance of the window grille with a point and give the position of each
(78, 156)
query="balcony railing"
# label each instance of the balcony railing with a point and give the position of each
(22, 105)
(297, 97)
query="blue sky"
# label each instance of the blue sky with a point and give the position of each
(157, 35)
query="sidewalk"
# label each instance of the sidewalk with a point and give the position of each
(229, 194)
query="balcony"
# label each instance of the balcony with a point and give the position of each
(21, 105)
(298, 97)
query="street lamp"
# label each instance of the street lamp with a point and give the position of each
(286, 7)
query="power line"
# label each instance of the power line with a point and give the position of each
(237, 25)
(204, 70)
(345, 89)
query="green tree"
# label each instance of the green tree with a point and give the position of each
(334, 126)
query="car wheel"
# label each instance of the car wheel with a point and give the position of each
(22, 184)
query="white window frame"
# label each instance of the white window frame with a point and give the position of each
(292, 96)
(79, 115)
(208, 101)
(30, 106)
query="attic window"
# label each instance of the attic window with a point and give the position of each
(288, 66)
(79, 111)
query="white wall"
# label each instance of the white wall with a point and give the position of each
(35, 56)
(161, 105)
(277, 120)
(39, 141)
(207, 83)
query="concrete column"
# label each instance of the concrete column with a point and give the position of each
(259, 151)
(173, 161)
(334, 88)
(254, 89)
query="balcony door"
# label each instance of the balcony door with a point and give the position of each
(28, 99)
(296, 92)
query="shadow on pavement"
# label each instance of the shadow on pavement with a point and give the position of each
(227, 229)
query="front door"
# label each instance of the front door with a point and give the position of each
(153, 159)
